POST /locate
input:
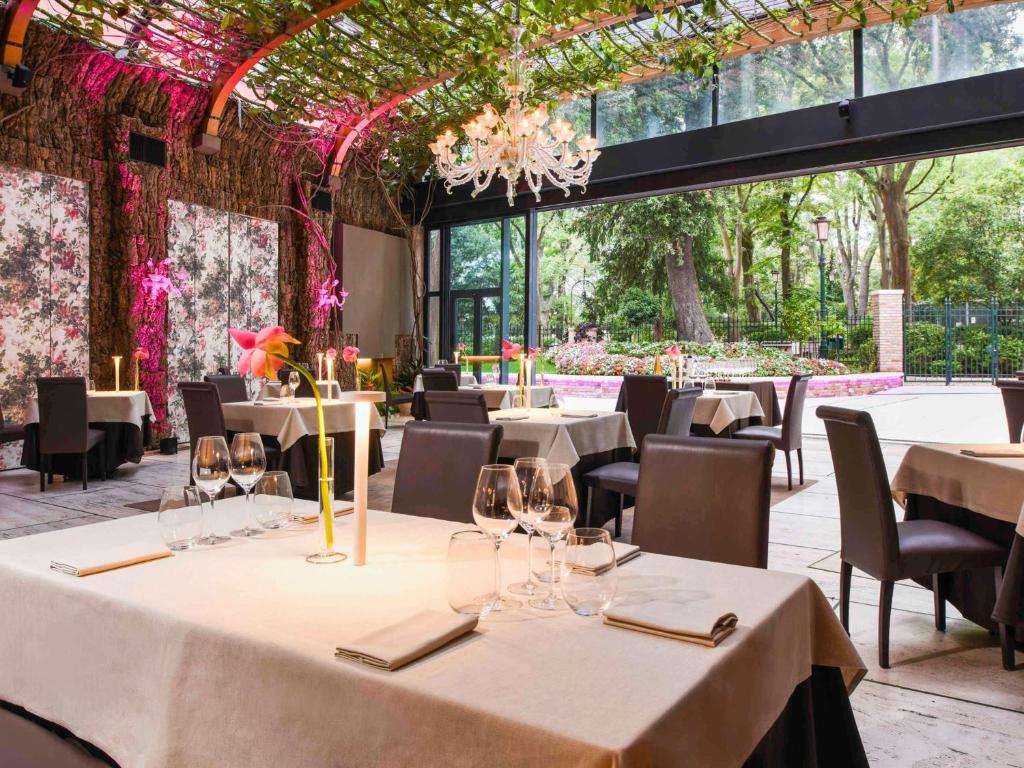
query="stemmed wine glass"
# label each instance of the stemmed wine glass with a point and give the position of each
(526, 470)
(497, 509)
(248, 463)
(211, 468)
(552, 508)
(293, 383)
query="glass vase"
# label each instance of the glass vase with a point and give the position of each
(325, 524)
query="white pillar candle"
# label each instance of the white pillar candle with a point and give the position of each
(319, 366)
(117, 373)
(330, 378)
(359, 482)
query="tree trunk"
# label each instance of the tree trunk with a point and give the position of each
(865, 283)
(893, 193)
(415, 242)
(691, 325)
(786, 249)
(747, 263)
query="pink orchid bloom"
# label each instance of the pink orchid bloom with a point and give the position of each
(462, 346)
(532, 353)
(331, 353)
(350, 354)
(141, 353)
(672, 351)
(510, 351)
(261, 349)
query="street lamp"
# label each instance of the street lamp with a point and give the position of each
(775, 281)
(821, 227)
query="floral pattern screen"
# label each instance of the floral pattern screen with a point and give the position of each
(44, 287)
(228, 269)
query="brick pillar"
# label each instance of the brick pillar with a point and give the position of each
(887, 318)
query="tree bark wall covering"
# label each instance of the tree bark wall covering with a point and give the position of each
(74, 121)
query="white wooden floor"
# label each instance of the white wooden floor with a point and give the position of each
(946, 702)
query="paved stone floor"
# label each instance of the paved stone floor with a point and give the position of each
(946, 702)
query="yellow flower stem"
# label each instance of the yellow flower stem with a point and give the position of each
(325, 488)
(137, 362)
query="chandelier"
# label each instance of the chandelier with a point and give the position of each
(516, 144)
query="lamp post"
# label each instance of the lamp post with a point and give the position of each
(775, 281)
(821, 227)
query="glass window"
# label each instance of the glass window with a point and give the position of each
(433, 329)
(434, 261)
(476, 256)
(786, 78)
(944, 46)
(576, 112)
(650, 108)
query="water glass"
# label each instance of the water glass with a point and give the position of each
(211, 469)
(180, 517)
(553, 401)
(293, 383)
(589, 573)
(526, 470)
(248, 463)
(273, 500)
(495, 373)
(552, 508)
(472, 572)
(497, 509)
(92, 385)
(709, 384)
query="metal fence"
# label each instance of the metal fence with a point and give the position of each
(962, 341)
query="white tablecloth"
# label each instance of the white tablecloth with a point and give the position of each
(273, 389)
(125, 406)
(225, 657)
(465, 379)
(499, 396)
(291, 420)
(559, 438)
(718, 410)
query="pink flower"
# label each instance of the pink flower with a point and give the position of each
(331, 353)
(141, 353)
(532, 353)
(350, 354)
(672, 351)
(462, 346)
(510, 351)
(262, 349)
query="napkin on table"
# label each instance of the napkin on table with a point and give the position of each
(1012, 451)
(704, 625)
(512, 417)
(419, 635)
(578, 414)
(108, 559)
(341, 508)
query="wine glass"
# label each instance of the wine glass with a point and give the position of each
(518, 402)
(589, 573)
(211, 468)
(497, 509)
(293, 383)
(526, 470)
(495, 373)
(552, 508)
(553, 401)
(248, 463)
(273, 500)
(180, 517)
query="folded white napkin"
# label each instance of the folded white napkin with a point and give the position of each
(395, 646)
(341, 508)
(578, 414)
(108, 558)
(1010, 451)
(513, 417)
(702, 624)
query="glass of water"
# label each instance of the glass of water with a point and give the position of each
(180, 517)
(273, 500)
(589, 573)
(293, 383)
(471, 573)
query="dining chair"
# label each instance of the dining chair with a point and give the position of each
(677, 412)
(452, 368)
(788, 437)
(10, 433)
(439, 380)
(231, 387)
(457, 407)
(643, 401)
(27, 740)
(704, 498)
(1012, 391)
(887, 550)
(438, 468)
(64, 425)
(392, 399)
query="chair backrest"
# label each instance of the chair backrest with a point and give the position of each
(63, 414)
(677, 413)
(439, 380)
(458, 407)
(230, 387)
(705, 498)
(793, 416)
(438, 468)
(202, 411)
(385, 382)
(867, 518)
(645, 397)
(451, 368)
(1012, 391)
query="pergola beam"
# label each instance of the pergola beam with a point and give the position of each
(207, 141)
(17, 15)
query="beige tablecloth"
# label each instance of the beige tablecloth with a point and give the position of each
(465, 379)
(225, 657)
(290, 420)
(128, 407)
(499, 396)
(989, 486)
(557, 438)
(273, 389)
(718, 410)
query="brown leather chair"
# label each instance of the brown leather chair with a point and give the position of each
(231, 387)
(10, 433)
(705, 498)
(457, 407)
(392, 399)
(1012, 391)
(64, 425)
(677, 413)
(644, 399)
(439, 380)
(452, 368)
(30, 742)
(788, 437)
(875, 543)
(438, 468)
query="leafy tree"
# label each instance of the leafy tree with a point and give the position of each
(639, 307)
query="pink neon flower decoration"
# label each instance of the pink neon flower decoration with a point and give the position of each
(510, 351)
(328, 296)
(331, 353)
(462, 346)
(261, 348)
(350, 354)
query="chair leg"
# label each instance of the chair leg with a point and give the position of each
(845, 577)
(884, 610)
(42, 473)
(589, 491)
(789, 472)
(618, 516)
(1006, 632)
(939, 595)
(800, 462)
(85, 471)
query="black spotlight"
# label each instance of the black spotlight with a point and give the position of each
(844, 109)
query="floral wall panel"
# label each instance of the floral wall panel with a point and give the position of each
(212, 274)
(252, 299)
(181, 309)
(44, 287)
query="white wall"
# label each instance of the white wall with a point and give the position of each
(379, 305)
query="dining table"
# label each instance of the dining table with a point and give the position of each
(765, 392)
(984, 494)
(465, 379)
(225, 656)
(292, 422)
(718, 413)
(497, 396)
(125, 417)
(272, 389)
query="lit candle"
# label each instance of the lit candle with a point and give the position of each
(330, 378)
(117, 373)
(320, 366)
(364, 401)
(529, 385)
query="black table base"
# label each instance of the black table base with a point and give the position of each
(123, 443)
(302, 463)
